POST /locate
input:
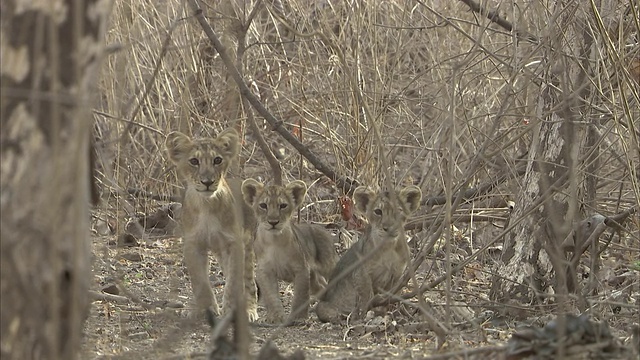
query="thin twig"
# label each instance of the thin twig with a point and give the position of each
(276, 169)
(139, 193)
(147, 86)
(345, 184)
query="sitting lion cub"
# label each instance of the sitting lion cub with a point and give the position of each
(298, 253)
(382, 251)
(215, 218)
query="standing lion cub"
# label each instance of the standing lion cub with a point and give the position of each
(214, 218)
(300, 253)
(382, 251)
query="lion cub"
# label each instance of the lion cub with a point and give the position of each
(214, 218)
(382, 250)
(300, 253)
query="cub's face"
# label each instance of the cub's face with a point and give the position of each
(387, 212)
(201, 164)
(273, 205)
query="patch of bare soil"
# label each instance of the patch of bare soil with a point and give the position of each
(142, 301)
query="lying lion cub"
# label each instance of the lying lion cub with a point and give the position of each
(382, 251)
(215, 218)
(298, 253)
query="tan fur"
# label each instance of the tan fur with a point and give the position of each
(300, 253)
(214, 218)
(382, 251)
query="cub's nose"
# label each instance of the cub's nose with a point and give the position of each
(206, 183)
(273, 223)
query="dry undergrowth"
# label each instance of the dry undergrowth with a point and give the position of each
(432, 78)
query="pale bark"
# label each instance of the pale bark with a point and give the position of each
(50, 52)
(547, 203)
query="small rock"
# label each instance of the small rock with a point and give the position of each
(126, 240)
(132, 257)
(139, 335)
(175, 305)
(270, 352)
(370, 315)
(103, 227)
(111, 289)
(168, 261)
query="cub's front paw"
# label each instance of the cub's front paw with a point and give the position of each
(203, 315)
(297, 317)
(295, 321)
(274, 318)
(355, 316)
(252, 313)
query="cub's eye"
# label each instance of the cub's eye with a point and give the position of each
(217, 160)
(283, 206)
(377, 212)
(263, 206)
(194, 161)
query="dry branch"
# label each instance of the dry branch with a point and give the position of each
(139, 193)
(345, 184)
(146, 90)
(95, 295)
(494, 16)
(276, 169)
(476, 191)
(590, 229)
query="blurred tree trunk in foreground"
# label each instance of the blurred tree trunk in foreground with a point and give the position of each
(50, 57)
(550, 197)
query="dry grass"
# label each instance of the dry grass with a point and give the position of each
(455, 97)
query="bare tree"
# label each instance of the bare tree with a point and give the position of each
(50, 56)
(555, 190)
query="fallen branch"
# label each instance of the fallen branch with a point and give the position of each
(96, 295)
(460, 216)
(476, 191)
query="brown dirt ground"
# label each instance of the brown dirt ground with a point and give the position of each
(149, 320)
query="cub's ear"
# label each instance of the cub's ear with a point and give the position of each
(178, 145)
(297, 190)
(228, 141)
(363, 196)
(410, 197)
(250, 190)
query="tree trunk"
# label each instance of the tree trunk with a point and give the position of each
(50, 53)
(548, 200)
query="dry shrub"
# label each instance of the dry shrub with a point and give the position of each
(432, 77)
